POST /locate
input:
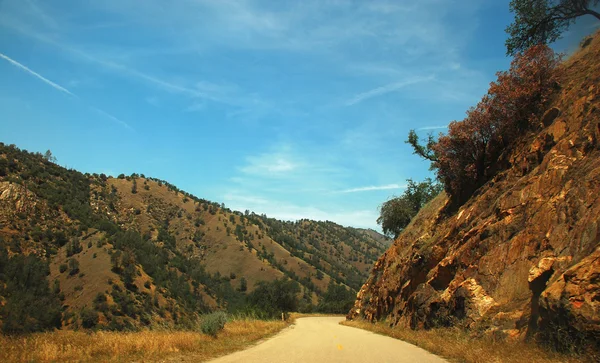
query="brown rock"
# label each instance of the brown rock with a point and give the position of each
(550, 115)
(570, 307)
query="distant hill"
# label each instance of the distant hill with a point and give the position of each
(385, 240)
(133, 250)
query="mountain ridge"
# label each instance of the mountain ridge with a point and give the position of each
(142, 247)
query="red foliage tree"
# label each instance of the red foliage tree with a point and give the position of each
(468, 155)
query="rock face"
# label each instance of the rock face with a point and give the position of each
(521, 258)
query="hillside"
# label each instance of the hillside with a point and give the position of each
(132, 251)
(521, 257)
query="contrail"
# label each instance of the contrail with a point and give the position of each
(39, 76)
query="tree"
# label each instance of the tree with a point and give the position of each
(48, 156)
(424, 151)
(476, 148)
(3, 166)
(396, 213)
(336, 300)
(29, 304)
(243, 284)
(73, 266)
(270, 299)
(543, 21)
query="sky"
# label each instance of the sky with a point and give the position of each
(295, 109)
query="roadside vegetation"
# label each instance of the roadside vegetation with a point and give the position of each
(148, 345)
(461, 346)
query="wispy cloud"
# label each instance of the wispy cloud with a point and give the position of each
(37, 75)
(270, 165)
(432, 128)
(392, 87)
(62, 89)
(113, 118)
(372, 188)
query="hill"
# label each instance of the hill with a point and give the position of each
(131, 251)
(520, 259)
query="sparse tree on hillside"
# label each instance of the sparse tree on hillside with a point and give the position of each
(48, 156)
(73, 266)
(243, 284)
(543, 21)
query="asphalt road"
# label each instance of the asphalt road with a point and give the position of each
(322, 339)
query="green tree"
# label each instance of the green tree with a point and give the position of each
(134, 187)
(423, 150)
(73, 266)
(543, 21)
(336, 300)
(29, 303)
(270, 299)
(3, 166)
(89, 318)
(48, 156)
(396, 213)
(243, 284)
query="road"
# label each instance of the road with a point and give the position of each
(322, 339)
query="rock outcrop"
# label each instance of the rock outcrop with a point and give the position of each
(521, 258)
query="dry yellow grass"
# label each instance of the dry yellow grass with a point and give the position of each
(135, 346)
(457, 346)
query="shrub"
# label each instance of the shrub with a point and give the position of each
(212, 323)
(89, 318)
(62, 268)
(73, 266)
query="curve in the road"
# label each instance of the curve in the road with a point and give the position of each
(323, 339)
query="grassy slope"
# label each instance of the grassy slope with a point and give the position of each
(135, 346)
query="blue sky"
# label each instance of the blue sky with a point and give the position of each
(296, 109)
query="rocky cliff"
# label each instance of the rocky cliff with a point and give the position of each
(521, 258)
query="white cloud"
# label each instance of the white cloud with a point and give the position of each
(392, 87)
(37, 75)
(373, 187)
(289, 211)
(268, 165)
(432, 128)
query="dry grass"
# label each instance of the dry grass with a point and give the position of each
(135, 346)
(457, 346)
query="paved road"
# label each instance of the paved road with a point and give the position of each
(314, 340)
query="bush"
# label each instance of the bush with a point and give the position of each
(212, 323)
(62, 268)
(89, 318)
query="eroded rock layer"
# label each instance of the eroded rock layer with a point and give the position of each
(522, 257)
